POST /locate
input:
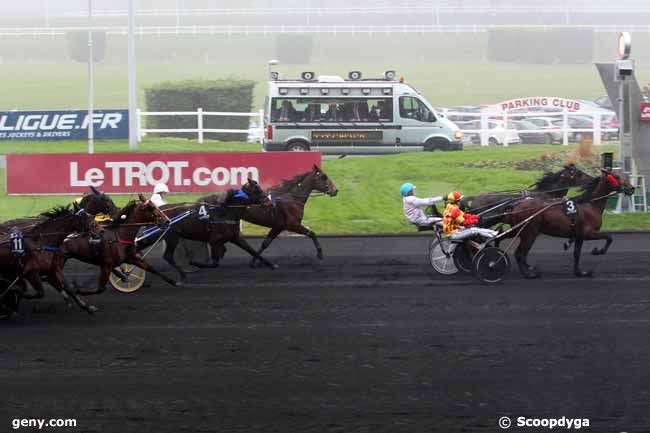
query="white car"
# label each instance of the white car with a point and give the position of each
(498, 134)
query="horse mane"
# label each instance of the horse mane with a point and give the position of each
(286, 185)
(588, 190)
(548, 178)
(126, 210)
(56, 212)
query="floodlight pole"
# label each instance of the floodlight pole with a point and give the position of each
(91, 90)
(133, 97)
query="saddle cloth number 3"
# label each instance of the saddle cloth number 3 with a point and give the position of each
(570, 207)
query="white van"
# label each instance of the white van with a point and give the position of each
(355, 115)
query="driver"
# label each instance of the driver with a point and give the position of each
(160, 192)
(413, 206)
(458, 224)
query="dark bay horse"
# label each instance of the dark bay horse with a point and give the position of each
(215, 222)
(42, 253)
(289, 199)
(118, 243)
(94, 203)
(550, 185)
(551, 219)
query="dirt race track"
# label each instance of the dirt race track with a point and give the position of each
(370, 340)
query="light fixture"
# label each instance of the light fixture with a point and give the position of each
(324, 91)
(283, 90)
(365, 91)
(354, 75)
(386, 90)
(304, 91)
(307, 76)
(345, 91)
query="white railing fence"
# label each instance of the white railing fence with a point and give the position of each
(200, 130)
(490, 127)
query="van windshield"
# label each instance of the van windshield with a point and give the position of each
(332, 110)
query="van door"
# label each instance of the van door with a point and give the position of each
(417, 121)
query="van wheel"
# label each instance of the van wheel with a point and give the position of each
(493, 141)
(436, 143)
(297, 146)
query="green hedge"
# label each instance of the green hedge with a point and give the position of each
(210, 95)
(78, 45)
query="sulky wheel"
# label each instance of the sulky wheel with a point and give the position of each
(491, 265)
(463, 258)
(441, 262)
(9, 300)
(134, 278)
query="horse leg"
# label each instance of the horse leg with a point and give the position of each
(105, 270)
(57, 280)
(34, 280)
(143, 264)
(241, 243)
(170, 246)
(301, 229)
(527, 239)
(605, 248)
(270, 237)
(577, 249)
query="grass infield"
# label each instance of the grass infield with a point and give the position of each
(368, 201)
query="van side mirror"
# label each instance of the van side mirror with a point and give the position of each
(432, 117)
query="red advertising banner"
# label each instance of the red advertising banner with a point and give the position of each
(645, 111)
(139, 172)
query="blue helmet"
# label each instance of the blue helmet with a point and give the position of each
(406, 189)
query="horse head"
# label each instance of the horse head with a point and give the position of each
(254, 191)
(322, 182)
(611, 182)
(97, 202)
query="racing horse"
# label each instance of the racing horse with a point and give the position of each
(94, 203)
(215, 222)
(117, 244)
(36, 252)
(550, 218)
(550, 185)
(289, 199)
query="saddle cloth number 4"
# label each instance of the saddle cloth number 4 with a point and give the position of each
(203, 213)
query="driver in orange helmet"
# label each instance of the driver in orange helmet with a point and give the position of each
(458, 224)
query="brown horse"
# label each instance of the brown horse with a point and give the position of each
(493, 206)
(118, 243)
(216, 223)
(42, 253)
(94, 203)
(551, 219)
(289, 199)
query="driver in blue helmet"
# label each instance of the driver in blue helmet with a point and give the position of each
(413, 206)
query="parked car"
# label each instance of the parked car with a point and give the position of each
(577, 122)
(604, 102)
(472, 109)
(530, 133)
(609, 121)
(548, 123)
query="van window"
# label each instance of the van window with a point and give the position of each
(413, 108)
(325, 110)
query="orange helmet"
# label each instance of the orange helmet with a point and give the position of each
(454, 197)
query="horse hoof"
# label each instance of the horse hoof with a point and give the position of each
(596, 252)
(91, 309)
(273, 266)
(582, 274)
(319, 256)
(178, 284)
